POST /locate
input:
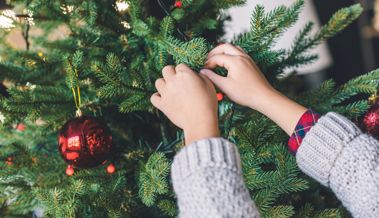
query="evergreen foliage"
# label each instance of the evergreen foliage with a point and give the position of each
(114, 58)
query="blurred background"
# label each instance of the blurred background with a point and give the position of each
(352, 53)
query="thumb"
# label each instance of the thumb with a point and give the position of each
(217, 80)
(156, 100)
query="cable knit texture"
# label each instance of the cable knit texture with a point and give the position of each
(208, 181)
(338, 155)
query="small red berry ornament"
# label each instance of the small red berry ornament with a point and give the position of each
(178, 5)
(111, 168)
(69, 171)
(21, 127)
(220, 44)
(220, 96)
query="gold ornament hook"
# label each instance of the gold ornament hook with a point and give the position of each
(78, 113)
(372, 99)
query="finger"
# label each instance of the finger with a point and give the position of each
(222, 60)
(219, 81)
(225, 49)
(181, 68)
(156, 99)
(168, 71)
(160, 84)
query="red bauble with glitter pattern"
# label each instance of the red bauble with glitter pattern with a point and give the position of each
(84, 142)
(369, 122)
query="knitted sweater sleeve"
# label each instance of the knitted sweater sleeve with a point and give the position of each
(337, 154)
(208, 181)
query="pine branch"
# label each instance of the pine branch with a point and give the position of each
(305, 211)
(167, 27)
(152, 178)
(339, 21)
(191, 53)
(279, 211)
(169, 207)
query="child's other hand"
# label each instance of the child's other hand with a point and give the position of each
(189, 100)
(245, 84)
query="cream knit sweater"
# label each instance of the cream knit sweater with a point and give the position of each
(208, 180)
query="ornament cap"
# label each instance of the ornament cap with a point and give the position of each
(373, 98)
(78, 113)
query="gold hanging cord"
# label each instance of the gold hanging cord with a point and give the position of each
(77, 103)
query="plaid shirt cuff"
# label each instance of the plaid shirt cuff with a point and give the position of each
(306, 122)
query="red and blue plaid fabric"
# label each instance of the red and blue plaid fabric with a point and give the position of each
(306, 122)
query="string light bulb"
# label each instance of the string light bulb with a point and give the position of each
(7, 18)
(121, 6)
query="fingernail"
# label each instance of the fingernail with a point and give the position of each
(202, 71)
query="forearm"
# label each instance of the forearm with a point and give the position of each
(208, 128)
(208, 181)
(283, 111)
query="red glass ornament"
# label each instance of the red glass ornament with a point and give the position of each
(21, 127)
(220, 44)
(220, 96)
(84, 142)
(178, 4)
(69, 171)
(111, 168)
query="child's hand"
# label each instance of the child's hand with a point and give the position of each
(245, 84)
(189, 100)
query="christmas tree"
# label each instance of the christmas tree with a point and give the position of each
(107, 65)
